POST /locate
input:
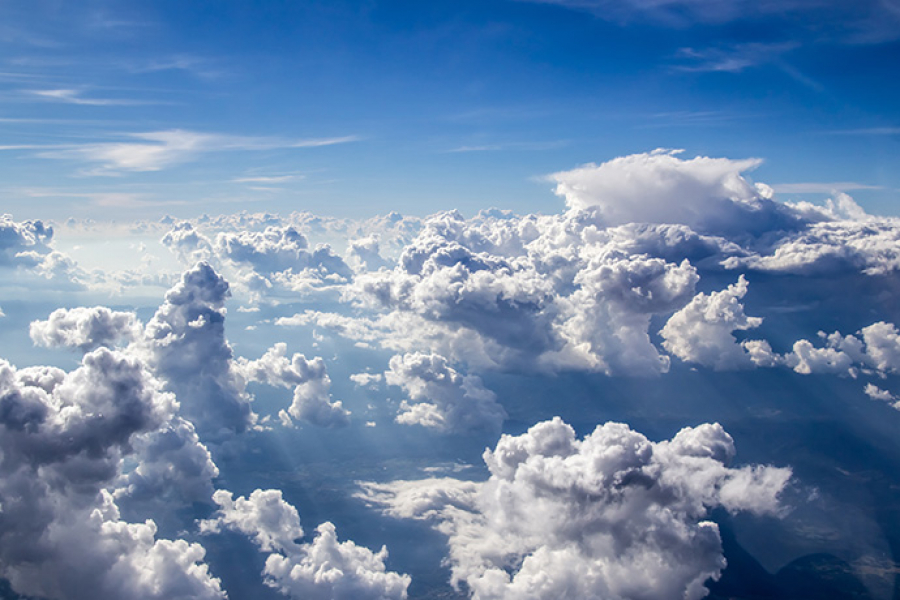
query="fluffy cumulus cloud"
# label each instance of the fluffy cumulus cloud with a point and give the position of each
(273, 263)
(323, 568)
(364, 254)
(873, 349)
(309, 378)
(550, 293)
(64, 437)
(23, 243)
(440, 397)
(876, 393)
(608, 316)
(85, 328)
(189, 245)
(702, 331)
(612, 516)
(27, 248)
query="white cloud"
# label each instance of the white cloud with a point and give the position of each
(708, 194)
(732, 59)
(876, 393)
(874, 348)
(70, 96)
(323, 569)
(702, 331)
(185, 344)
(270, 264)
(608, 316)
(85, 328)
(363, 254)
(613, 516)
(26, 247)
(830, 247)
(366, 379)
(64, 437)
(822, 187)
(189, 245)
(309, 378)
(442, 398)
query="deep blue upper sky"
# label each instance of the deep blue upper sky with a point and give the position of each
(135, 109)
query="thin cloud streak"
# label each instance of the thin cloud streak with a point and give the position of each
(868, 131)
(70, 96)
(822, 188)
(733, 59)
(156, 150)
(274, 179)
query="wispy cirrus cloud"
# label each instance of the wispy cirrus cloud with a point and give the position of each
(269, 179)
(732, 59)
(861, 22)
(157, 150)
(198, 66)
(868, 131)
(522, 146)
(73, 96)
(822, 187)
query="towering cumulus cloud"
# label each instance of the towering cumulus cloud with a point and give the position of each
(324, 569)
(185, 344)
(612, 516)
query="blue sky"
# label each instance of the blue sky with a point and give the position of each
(349, 107)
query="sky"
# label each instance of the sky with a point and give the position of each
(136, 108)
(501, 300)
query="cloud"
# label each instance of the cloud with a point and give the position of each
(277, 249)
(732, 59)
(611, 516)
(364, 254)
(26, 249)
(175, 468)
(876, 393)
(828, 21)
(875, 349)
(707, 194)
(702, 331)
(64, 436)
(268, 264)
(23, 244)
(85, 328)
(70, 96)
(323, 569)
(185, 344)
(552, 293)
(822, 188)
(189, 245)
(441, 398)
(607, 318)
(369, 380)
(268, 179)
(157, 150)
(847, 240)
(312, 400)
